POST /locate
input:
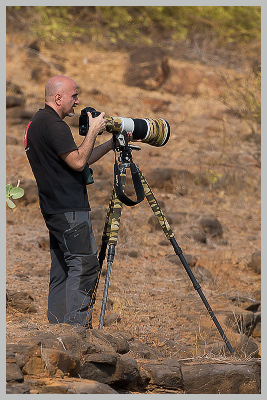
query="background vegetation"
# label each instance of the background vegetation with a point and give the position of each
(226, 24)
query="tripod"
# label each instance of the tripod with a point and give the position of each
(112, 224)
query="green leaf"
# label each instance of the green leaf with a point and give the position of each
(16, 192)
(10, 203)
(8, 188)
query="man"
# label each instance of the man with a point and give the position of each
(57, 164)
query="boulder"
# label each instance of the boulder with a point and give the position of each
(224, 378)
(165, 374)
(148, 68)
(255, 262)
(211, 226)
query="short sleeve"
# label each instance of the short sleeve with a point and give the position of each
(59, 137)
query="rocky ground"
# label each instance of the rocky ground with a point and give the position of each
(207, 181)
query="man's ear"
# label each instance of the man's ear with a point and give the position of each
(58, 99)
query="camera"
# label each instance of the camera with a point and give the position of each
(155, 132)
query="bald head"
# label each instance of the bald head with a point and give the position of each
(61, 93)
(57, 85)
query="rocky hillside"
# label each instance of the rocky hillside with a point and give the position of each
(157, 336)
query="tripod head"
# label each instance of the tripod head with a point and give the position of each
(121, 145)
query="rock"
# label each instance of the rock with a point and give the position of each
(30, 191)
(142, 350)
(96, 343)
(21, 301)
(130, 252)
(21, 388)
(23, 352)
(211, 226)
(40, 71)
(44, 243)
(202, 274)
(26, 114)
(14, 101)
(13, 88)
(241, 320)
(35, 45)
(100, 367)
(34, 366)
(11, 140)
(166, 374)
(90, 387)
(247, 347)
(156, 104)
(199, 237)
(148, 68)
(111, 318)
(64, 360)
(154, 223)
(247, 303)
(185, 79)
(257, 330)
(255, 262)
(127, 372)
(116, 339)
(13, 371)
(215, 378)
(191, 260)
(171, 180)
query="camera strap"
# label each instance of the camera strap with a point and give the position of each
(139, 190)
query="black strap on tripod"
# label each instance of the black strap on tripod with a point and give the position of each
(140, 195)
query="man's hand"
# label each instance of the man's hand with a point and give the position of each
(97, 125)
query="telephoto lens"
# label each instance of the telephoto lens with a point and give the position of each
(155, 132)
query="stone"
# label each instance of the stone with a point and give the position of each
(62, 360)
(202, 274)
(215, 378)
(127, 372)
(200, 237)
(116, 339)
(166, 373)
(14, 101)
(22, 301)
(142, 350)
(178, 181)
(111, 318)
(255, 262)
(211, 226)
(30, 191)
(191, 260)
(18, 388)
(44, 243)
(11, 140)
(100, 367)
(90, 387)
(13, 372)
(148, 68)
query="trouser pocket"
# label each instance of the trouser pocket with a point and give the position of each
(77, 240)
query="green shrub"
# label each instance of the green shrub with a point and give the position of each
(14, 193)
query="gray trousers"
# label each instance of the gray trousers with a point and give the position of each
(74, 268)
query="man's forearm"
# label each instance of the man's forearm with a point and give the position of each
(100, 151)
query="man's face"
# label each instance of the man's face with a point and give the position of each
(69, 99)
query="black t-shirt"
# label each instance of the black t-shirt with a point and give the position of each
(61, 188)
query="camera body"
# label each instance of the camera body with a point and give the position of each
(84, 120)
(155, 132)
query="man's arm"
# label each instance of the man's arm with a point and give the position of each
(77, 159)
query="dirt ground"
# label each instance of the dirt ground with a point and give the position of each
(152, 295)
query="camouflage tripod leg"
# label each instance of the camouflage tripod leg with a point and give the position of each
(112, 232)
(105, 239)
(170, 236)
